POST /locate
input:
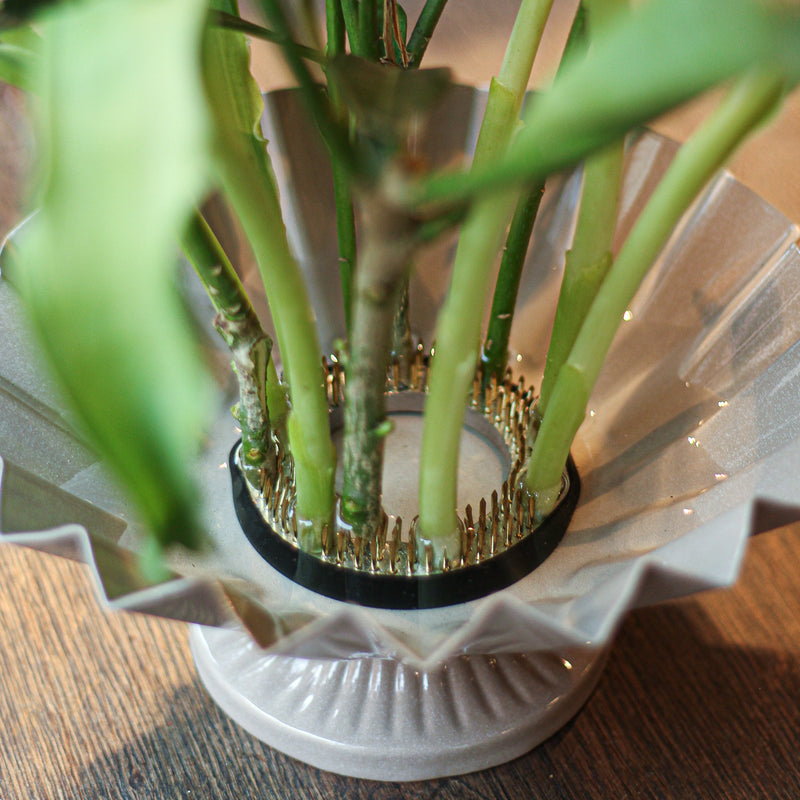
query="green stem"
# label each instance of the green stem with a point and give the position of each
(495, 348)
(368, 33)
(256, 202)
(346, 237)
(752, 98)
(589, 258)
(335, 29)
(333, 132)
(342, 191)
(388, 240)
(250, 346)
(402, 340)
(246, 174)
(233, 23)
(459, 326)
(350, 16)
(423, 30)
(587, 262)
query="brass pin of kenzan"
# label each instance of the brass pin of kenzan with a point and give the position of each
(481, 530)
(519, 508)
(477, 381)
(411, 547)
(495, 523)
(358, 549)
(373, 555)
(469, 528)
(394, 544)
(395, 373)
(327, 544)
(285, 510)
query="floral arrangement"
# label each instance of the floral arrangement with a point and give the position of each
(147, 106)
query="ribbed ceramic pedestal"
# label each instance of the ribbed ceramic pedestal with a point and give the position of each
(382, 719)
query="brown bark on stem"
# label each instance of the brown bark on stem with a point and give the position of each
(388, 241)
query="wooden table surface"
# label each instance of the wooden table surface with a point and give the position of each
(700, 698)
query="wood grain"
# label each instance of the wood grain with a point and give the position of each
(700, 698)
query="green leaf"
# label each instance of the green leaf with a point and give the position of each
(656, 57)
(644, 63)
(124, 132)
(19, 49)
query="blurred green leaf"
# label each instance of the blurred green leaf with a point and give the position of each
(653, 58)
(385, 97)
(647, 61)
(19, 48)
(124, 133)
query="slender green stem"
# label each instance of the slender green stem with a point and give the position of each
(250, 346)
(589, 258)
(423, 30)
(342, 191)
(459, 327)
(495, 348)
(246, 174)
(350, 16)
(346, 236)
(333, 131)
(587, 262)
(335, 29)
(753, 96)
(256, 202)
(233, 23)
(368, 33)
(398, 33)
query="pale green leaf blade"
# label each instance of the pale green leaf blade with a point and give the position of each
(125, 133)
(18, 56)
(660, 54)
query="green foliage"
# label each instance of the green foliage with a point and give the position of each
(19, 48)
(134, 125)
(650, 60)
(124, 137)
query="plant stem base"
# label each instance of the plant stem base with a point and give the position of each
(384, 719)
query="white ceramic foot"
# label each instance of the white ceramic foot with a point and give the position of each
(385, 720)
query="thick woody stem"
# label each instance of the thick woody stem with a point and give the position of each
(388, 242)
(250, 346)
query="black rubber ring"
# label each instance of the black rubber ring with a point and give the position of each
(402, 592)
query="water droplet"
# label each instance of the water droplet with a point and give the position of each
(688, 511)
(627, 316)
(720, 476)
(722, 403)
(592, 412)
(519, 357)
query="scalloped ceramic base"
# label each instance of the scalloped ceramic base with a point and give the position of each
(380, 719)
